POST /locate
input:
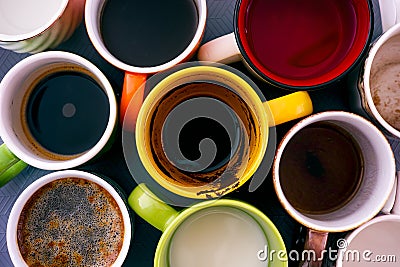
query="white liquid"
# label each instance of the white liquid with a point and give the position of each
(381, 239)
(25, 16)
(218, 236)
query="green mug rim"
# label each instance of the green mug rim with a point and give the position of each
(255, 213)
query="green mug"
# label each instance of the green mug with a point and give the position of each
(221, 232)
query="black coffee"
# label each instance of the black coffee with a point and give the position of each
(148, 33)
(199, 129)
(70, 222)
(234, 142)
(67, 112)
(321, 168)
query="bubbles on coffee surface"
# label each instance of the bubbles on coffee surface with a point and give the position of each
(70, 222)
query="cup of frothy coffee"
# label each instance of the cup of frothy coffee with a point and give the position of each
(69, 218)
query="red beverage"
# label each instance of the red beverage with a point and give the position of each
(303, 43)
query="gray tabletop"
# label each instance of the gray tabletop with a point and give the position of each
(112, 164)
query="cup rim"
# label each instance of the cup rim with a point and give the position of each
(21, 37)
(12, 141)
(305, 87)
(391, 32)
(249, 209)
(11, 232)
(157, 93)
(350, 237)
(327, 115)
(375, 220)
(93, 32)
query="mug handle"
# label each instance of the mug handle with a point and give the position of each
(315, 241)
(223, 49)
(151, 208)
(132, 82)
(10, 165)
(289, 107)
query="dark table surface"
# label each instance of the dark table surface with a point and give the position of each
(112, 163)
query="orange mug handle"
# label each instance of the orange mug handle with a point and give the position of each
(132, 82)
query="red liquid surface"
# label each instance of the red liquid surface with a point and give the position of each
(296, 40)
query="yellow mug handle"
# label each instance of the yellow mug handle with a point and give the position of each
(289, 107)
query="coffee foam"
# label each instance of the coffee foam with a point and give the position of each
(385, 81)
(70, 221)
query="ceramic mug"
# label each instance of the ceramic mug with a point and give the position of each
(146, 22)
(295, 46)
(319, 200)
(34, 26)
(210, 233)
(390, 13)
(209, 108)
(57, 128)
(84, 220)
(377, 95)
(374, 243)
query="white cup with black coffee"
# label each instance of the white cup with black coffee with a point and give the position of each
(57, 111)
(333, 171)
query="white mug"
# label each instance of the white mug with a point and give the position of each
(135, 76)
(373, 192)
(18, 149)
(390, 13)
(375, 243)
(378, 82)
(34, 26)
(124, 219)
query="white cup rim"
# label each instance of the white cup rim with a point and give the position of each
(97, 43)
(38, 31)
(11, 233)
(378, 219)
(350, 237)
(322, 116)
(11, 140)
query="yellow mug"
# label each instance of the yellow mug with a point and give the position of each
(202, 130)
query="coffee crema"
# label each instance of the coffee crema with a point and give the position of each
(70, 222)
(64, 112)
(321, 168)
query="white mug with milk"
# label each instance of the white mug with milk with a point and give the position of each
(34, 26)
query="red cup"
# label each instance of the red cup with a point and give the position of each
(298, 45)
